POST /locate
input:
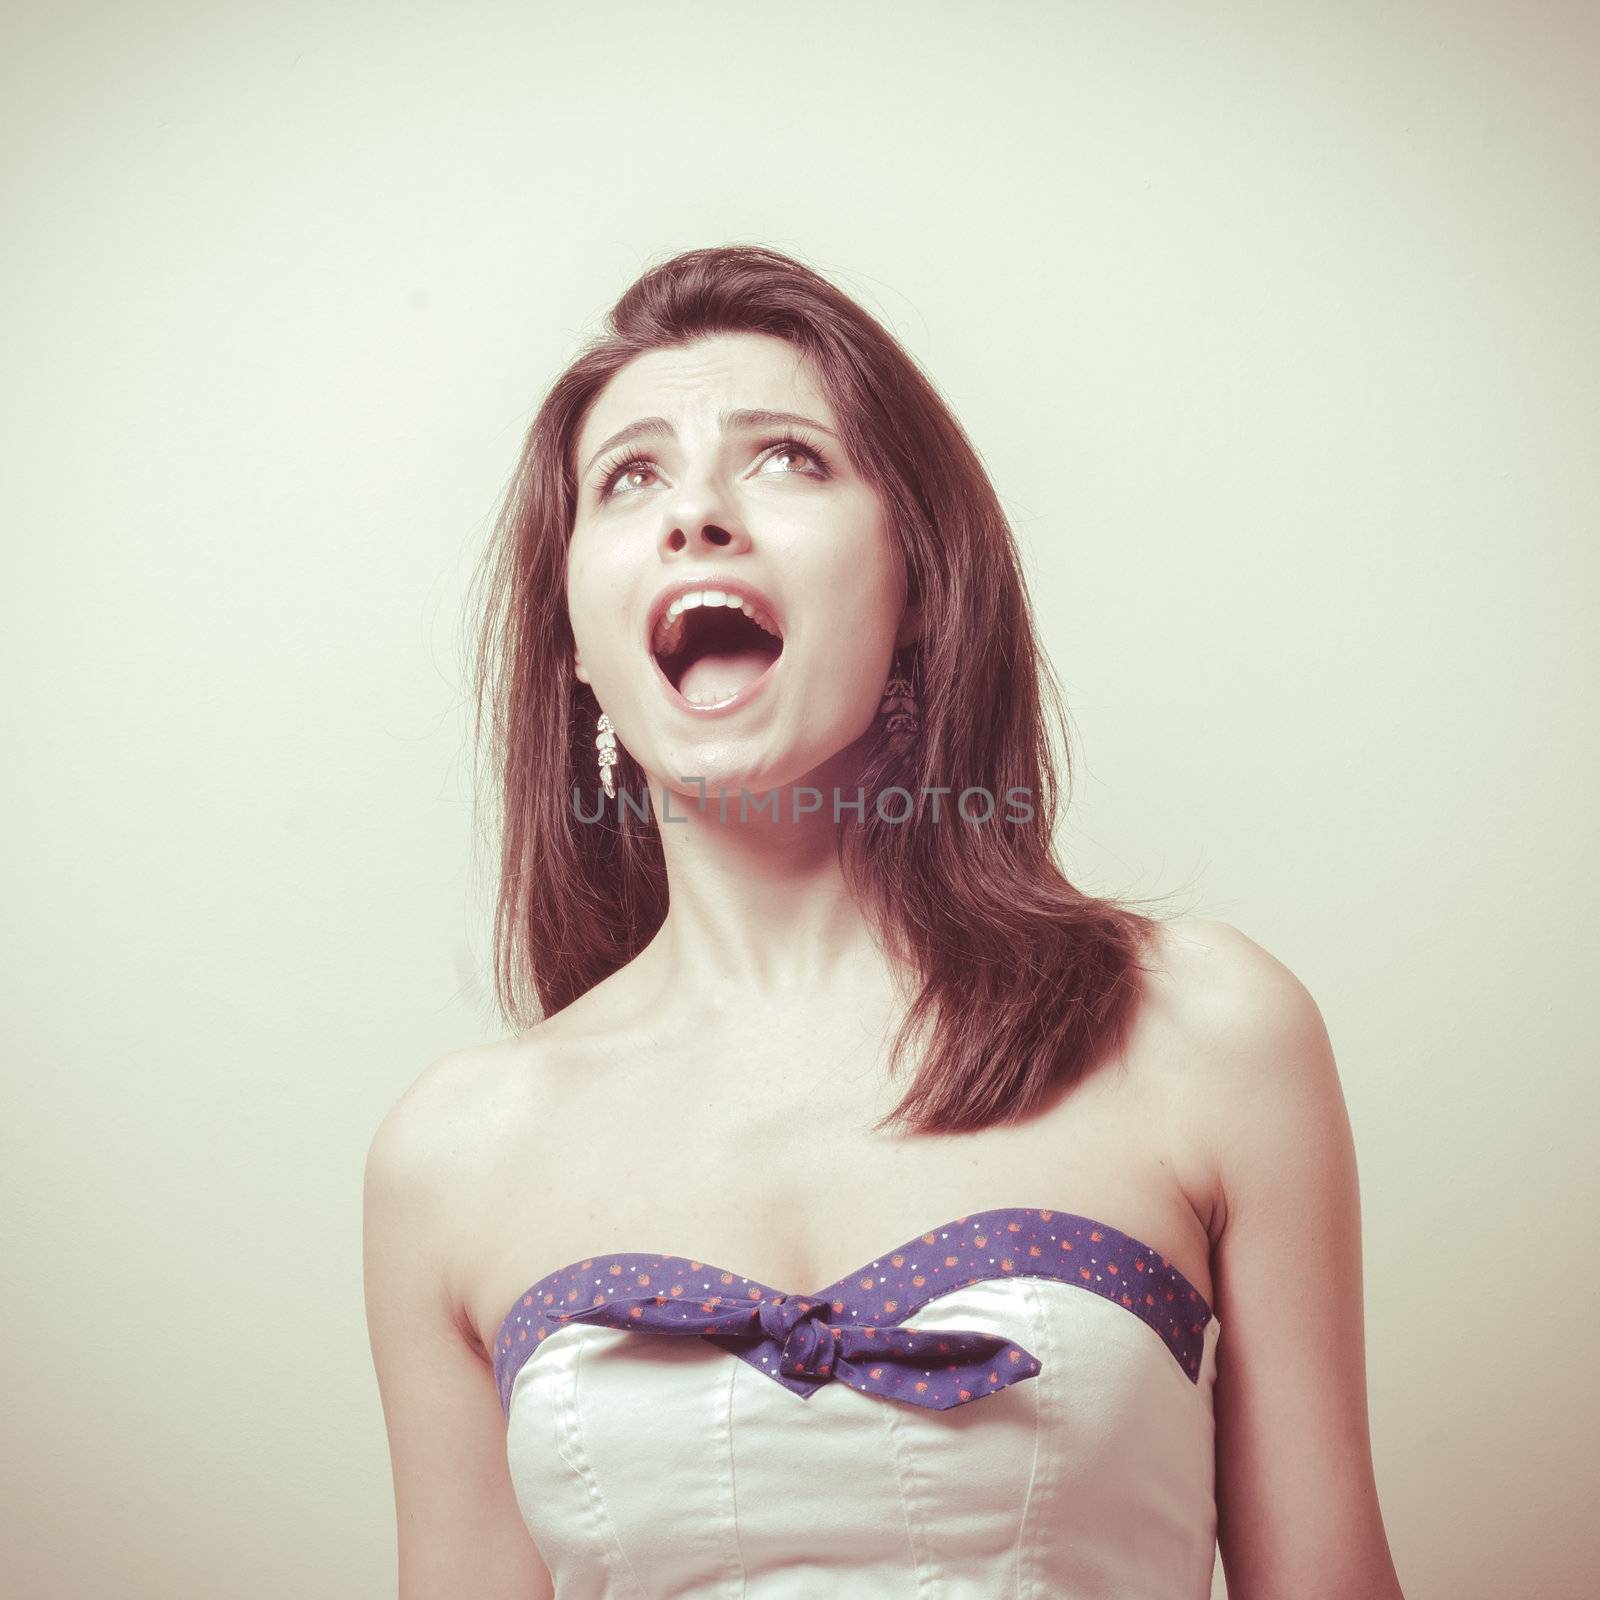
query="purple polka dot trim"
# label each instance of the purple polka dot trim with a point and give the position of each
(861, 1340)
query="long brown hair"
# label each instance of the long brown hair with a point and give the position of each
(1023, 982)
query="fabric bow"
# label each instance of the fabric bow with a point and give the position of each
(935, 1369)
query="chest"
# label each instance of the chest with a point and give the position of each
(765, 1165)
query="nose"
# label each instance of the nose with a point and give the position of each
(701, 517)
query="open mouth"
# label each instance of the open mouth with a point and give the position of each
(712, 646)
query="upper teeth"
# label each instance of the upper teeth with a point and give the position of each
(671, 618)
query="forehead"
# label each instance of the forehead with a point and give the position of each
(691, 383)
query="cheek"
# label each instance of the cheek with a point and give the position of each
(855, 552)
(860, 613)
(864, 602)
(593, 598)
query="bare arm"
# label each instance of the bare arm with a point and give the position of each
(458, 1526)
(1297, 1500)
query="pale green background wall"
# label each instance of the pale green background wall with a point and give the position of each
(1276, 325)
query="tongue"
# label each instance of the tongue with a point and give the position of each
(722, 673)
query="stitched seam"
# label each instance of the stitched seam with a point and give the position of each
(733, 1493)
(1205, 1430)
(605, 1529)
(1039, 1343)
(919, 1563)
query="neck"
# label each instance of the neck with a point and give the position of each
(759, 910)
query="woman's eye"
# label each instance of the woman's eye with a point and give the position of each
(612, 482)
(792, 450)
(628, 472)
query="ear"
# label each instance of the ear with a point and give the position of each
(577, 668)
(910, 629)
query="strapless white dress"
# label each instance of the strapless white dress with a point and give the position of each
(1017, 1403)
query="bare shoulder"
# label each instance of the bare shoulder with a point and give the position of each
(445, 1131)
(1229, 985)
(1256, 1069)
(1296, 1492)
(459, 1527)
(455, 1102)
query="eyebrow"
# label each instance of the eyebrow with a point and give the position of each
(747, 417)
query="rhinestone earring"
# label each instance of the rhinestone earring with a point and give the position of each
(605, 739)
(900, 707)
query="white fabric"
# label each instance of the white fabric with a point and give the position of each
(655, 1466)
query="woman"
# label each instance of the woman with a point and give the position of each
(859, 1207)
